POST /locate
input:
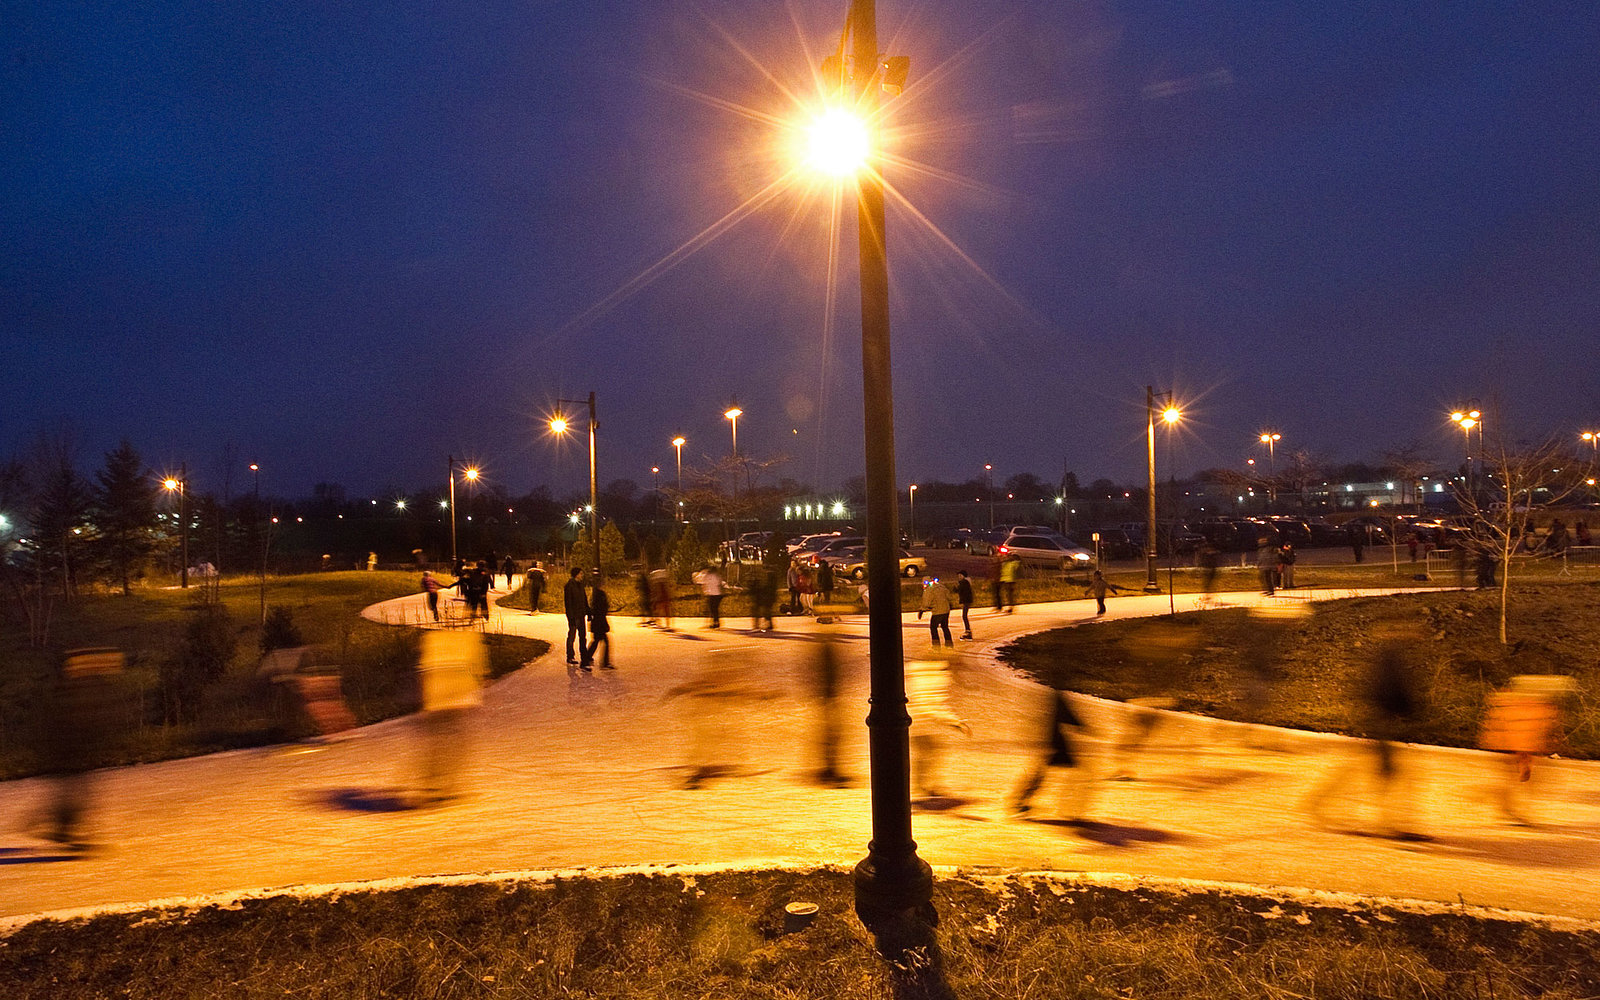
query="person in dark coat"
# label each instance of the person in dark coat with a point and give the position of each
(509, 567)
(825, 581)
(85, 713)
(535, 586)
(576, 602)
(599, 627)
(964, 599)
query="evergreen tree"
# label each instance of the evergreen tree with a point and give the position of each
(124, 514)
(60, 513)
(688, 555)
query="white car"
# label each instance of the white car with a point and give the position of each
(1046, 550)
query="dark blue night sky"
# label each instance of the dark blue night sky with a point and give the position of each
(349, 240)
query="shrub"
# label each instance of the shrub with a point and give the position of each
(279, 630)
(208, 645)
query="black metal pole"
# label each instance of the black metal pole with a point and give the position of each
(892, 878)
(451, 475)
(183, 515)
(594, 491)
(1150, 585)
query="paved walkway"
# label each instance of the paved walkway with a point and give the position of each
(570, 769)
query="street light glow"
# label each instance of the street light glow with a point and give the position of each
(1171, 414)
(472, 474)
(837, 143)
(558, 425)
(678, 442)
(733, 413)
(170, 484)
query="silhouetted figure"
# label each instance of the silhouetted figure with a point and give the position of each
(825, 581)
(641, 584)
(1358, 539)
(535, 585)
(763, 588)
(1209, 557)
(661, 595)
(576, 603)
(964, 598)
(509, 568)
(1057, 752)
(599, 626)
(83, 719)
(1267, 565)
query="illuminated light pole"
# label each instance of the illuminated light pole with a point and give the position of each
(678, 443)
(892, 881)
(1271, 439)
(1467, 420)
(1593, 437)
(450, 474)
(559, 425)
(733, 413)
(255, 514)
(988, 483)
(1150, 399)
(180, 486)
(1170, 416)
(912, 492)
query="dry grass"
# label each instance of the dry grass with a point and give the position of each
(722, 935)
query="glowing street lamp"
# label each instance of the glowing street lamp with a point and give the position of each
(180, 486)
(912, 492)
(471, 474)
(1593, 437)
(1467, 420)
(678, 443)
(559, 425)
(1271, 439)
(1170, 414)
(892, 879)
(733, 413)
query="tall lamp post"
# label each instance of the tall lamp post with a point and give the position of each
(180, 486)
(678, 443)
(988, 485)
(255, 514)
(1467, 420)
(1271, 439)
(733, 413)
(892, 880)
(1151, 398)
(1170, 416)
(559, 425)
(912, 493)
(471, 473)
(1592, 438)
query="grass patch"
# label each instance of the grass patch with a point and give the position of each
(376, 664)
(1320, 663)
(722, 935)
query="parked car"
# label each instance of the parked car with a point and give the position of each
(1374, 527)
(1293, 530)
(1059, 551)
(1230, 534)
(946, 538)
(984, 543)
(1325, 533)
(832, 548)
(808, 545)
(1115, 543)
(853, 563)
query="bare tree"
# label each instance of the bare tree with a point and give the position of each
(1514, 471)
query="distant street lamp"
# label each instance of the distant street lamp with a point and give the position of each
(180, 486)
(988, 480)
(471, 474)
(912, 492)
(1271, 439)
(678, 443)
(1593, 437)
(558, 425)
(1467, 420)
(1169, 414)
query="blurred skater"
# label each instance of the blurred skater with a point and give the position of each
(661, 596)
(84, 713)
(715, 694)
(928, 701)
(1394, 705)
(535, 585)
(431, 587)
(825, 686)
(452, 667)
(1057, 751)
(1522, 721)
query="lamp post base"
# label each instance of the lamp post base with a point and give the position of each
(889, 888)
